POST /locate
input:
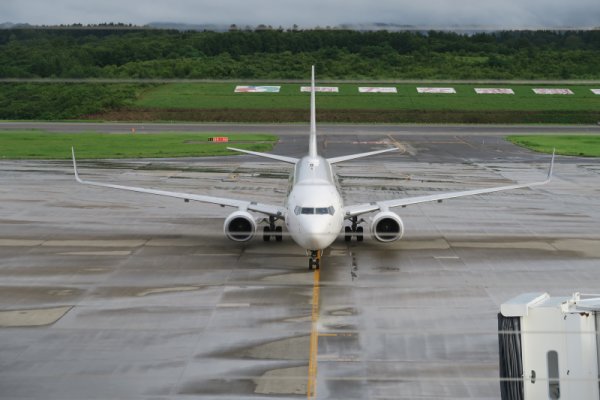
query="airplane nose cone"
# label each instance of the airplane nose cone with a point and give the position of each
(317, 234)
(316, 243)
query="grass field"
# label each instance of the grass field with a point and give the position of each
(583, 146)
(222, 96)
(42, 145)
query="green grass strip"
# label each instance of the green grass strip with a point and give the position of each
(222, 96)
(45, 145)
(576, 145)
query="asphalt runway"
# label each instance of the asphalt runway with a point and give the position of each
(108, 294)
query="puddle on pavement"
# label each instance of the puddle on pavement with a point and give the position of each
(111, 292)
(293, 348)
(292, 380)
(584, 247)
(32, 317)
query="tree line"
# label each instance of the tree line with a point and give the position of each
(281, 54)
(63, 101)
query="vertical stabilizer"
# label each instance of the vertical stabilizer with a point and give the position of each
(312, 144)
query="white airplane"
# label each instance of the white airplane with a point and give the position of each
(314, 213)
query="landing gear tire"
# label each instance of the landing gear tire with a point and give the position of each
(359, 234)
(315, 260)
(347, 234)
(272, 230)
(353, 230)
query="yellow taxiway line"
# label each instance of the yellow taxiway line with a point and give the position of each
(311, 388)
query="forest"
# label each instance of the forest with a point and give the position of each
(267, 54)
(287, 54)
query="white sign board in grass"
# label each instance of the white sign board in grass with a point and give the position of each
(377, 90)
(257, 89)
(595, 91)
(326, 89)
(552, 91)
(493, 91)
(442, 90)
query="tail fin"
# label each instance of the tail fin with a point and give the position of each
(312, 144)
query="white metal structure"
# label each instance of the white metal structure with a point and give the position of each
(559, 345)
(314, 212)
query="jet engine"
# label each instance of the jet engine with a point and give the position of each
(387, 227)
(240, 226)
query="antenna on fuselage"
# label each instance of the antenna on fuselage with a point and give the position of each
(312, 144)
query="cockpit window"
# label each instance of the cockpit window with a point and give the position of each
(318, 210)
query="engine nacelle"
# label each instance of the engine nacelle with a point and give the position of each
(240, 226)
(387, 227)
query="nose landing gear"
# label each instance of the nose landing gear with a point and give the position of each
(315, 259)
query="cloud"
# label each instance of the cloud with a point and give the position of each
(309, 13)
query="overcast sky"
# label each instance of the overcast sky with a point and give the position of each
(309, 13)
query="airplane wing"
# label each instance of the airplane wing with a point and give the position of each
(358, 209)
(271, 210)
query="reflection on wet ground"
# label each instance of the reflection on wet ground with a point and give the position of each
(120, 295)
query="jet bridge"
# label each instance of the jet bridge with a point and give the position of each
(548, 347)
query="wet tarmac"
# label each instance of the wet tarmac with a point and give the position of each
(108, 294)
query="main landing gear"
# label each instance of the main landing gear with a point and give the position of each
(315, 259)
(354, 230)
(272, 230)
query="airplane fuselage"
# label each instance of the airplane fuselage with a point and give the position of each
(315, 213)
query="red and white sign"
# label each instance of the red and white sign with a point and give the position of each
(443, 90)
(327, 89)
(595, 91)
(552, 91)
(493, 91)
(377, 90)
(218, 139)
(257, 89)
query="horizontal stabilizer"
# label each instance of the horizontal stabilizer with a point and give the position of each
(334, 160)
(290, 160)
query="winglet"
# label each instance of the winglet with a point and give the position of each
(75, 166)
(551, 170)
